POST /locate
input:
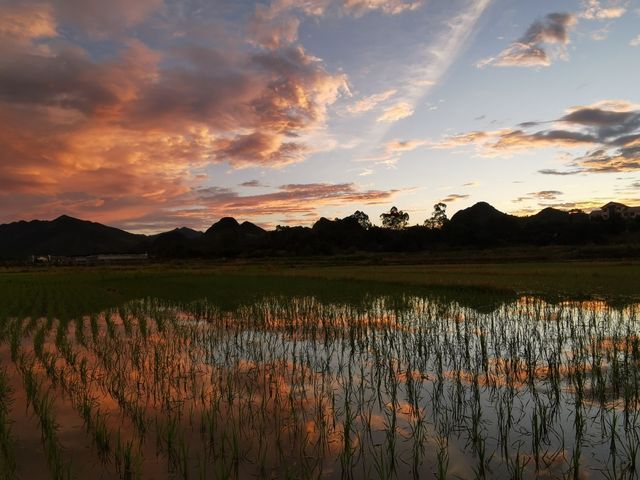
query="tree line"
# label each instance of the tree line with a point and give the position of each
(479, 226)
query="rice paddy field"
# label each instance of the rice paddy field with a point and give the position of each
(277, 373)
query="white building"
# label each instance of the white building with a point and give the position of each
(615, 209)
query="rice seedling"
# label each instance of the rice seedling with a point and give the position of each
(386, 387)
(7, 441)
(41, 400)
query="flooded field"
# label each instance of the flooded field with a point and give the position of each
(285, 386)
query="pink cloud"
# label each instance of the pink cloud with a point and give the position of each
(131, 126)
(103, 18)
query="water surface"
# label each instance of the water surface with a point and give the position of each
(296, 386)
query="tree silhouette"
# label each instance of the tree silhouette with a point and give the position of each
(362, 219)
(438, 217)
(395, 219)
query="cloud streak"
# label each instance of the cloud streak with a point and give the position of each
(370, 102)
(454, 197)
(531, 50)
(594, 10)
(396, 112)
(297, 202)
(608, 130)
(541, 195)
(546, 39)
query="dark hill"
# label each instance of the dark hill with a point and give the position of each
(175, 243)
(553, 226)
(551, 214)
(65, 236)
(249, 228)
(483, 225)
(229, 238)
(183, 232)
(479, 214)
(188, 232)
(224, 225)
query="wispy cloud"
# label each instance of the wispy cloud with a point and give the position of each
(531, 50)
(393, 149)
(370, 102)
(397, 146)
(594, 10)
(425, 69)
(546, 39)
(252, 184)
(276, 24)
(396, 112)
(454, 197)
(609, 130)
(319, 8)
(541, 195)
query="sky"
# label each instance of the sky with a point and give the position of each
(155, 114)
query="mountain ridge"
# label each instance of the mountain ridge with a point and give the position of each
(479, 225)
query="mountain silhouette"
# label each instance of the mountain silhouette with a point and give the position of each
(224, 225)
(66, 236)
(478, 226)
(483, 224)
(174, 243)
(189, 233)
(227, 237)
(551, 226)
(551, 214)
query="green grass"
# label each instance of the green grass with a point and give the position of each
(606, 279)
(70, 291)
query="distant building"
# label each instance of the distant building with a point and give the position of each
(40, 258)
(90, 259)
(615, 209)
(121, 257)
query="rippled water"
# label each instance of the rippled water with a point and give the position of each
(292, 387)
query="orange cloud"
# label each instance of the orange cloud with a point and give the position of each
(298, 202)
(370, 102)
(100, 18)
(610, 129)
(272, 31)
(25, 22)
(118, 136)
(396, 112)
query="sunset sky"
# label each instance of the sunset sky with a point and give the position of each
(153, 114)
